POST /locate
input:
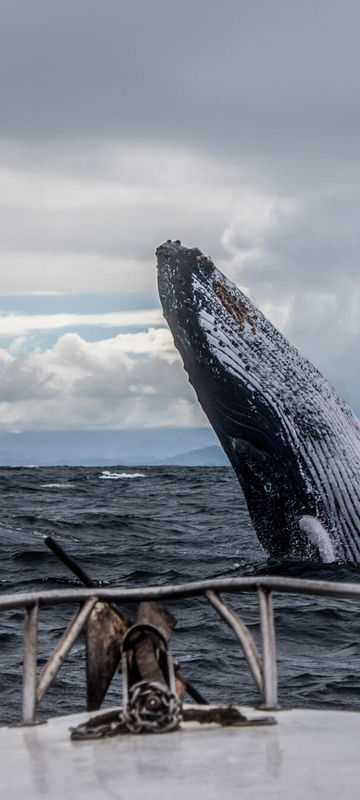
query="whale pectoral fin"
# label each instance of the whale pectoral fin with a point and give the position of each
(318, 536)
(252, 465)
(241, 424)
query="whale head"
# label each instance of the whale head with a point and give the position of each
(265, 401)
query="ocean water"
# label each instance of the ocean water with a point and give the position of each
(159, 525)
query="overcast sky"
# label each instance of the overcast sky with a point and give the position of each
(232, 125)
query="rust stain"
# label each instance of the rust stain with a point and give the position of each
(237, 308)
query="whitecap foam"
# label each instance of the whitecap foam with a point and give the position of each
(115, 476)
(56, 485)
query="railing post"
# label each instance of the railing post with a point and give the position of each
(244, 635)
(268, 647)
(30, 663)
(63, 647)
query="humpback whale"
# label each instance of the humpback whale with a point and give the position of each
(293, 442)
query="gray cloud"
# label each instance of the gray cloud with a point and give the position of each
(113, 232)
(232, 126)
(94, 225)
(303, 270)
(314, 245)
(261, 77)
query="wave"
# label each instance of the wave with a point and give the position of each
(115, 476)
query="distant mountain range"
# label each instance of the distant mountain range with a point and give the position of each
(151, 446)
(212, 456)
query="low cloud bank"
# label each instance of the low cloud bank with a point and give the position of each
(96, 385)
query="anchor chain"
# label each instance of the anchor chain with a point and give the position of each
(153, 708)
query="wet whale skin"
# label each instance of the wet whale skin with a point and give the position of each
(292, 441)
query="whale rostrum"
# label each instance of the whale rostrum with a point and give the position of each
(293, 442)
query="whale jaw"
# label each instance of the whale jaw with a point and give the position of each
(272, 411)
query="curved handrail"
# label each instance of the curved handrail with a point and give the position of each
(350, 591)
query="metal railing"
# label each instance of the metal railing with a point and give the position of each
(263, 666)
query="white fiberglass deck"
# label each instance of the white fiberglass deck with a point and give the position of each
(308, 754)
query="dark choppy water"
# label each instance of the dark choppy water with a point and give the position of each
(165, 525)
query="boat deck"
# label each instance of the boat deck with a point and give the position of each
(307, 754)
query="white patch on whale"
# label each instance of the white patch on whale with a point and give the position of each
(318, 536)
